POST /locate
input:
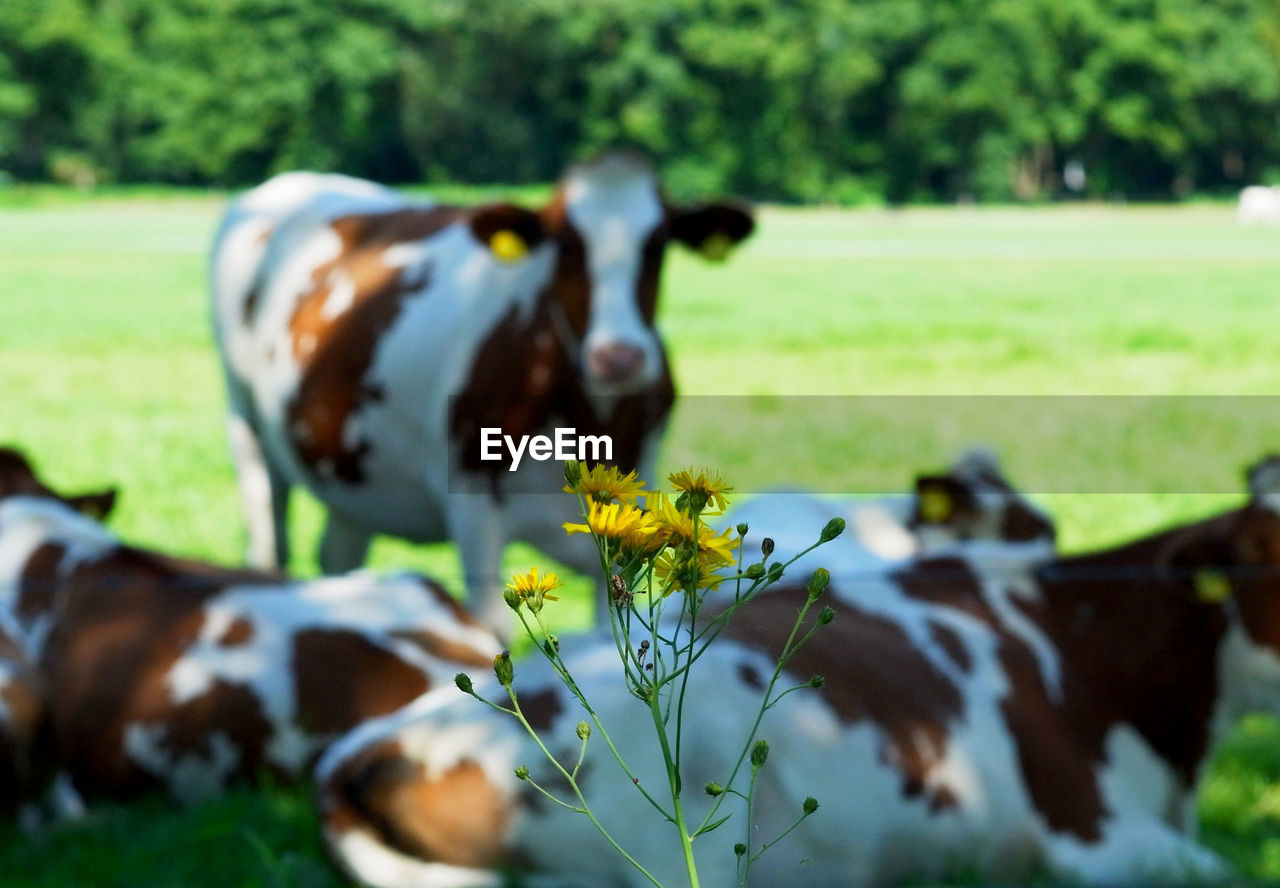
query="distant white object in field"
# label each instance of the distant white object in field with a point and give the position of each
(1073, 175)
(1259, 204)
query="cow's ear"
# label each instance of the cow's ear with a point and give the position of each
(95, 505)
(712, 229)
(509, 231)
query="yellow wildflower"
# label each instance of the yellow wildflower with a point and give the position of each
(704, 488)
(716, 547)
(677, 529)
(607, 483)
(526, 585)
(676, 526)
(676, 571)
(632, 527)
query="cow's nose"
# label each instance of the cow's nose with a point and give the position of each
(615, 363)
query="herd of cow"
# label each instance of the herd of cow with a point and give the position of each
(991, 709)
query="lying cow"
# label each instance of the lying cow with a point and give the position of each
(369, 342)
(990, 727)
(971, 504)
(161, 673)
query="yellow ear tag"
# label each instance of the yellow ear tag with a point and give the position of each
(508, 246)
(716, 247)
(935, 505)
(1212, 586)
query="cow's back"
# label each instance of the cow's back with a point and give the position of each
(348, 319)
(255, 231)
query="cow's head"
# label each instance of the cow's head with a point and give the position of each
(1233, 562)
(17, 478)
(974, 501)
(610, 226)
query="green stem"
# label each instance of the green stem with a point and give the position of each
(577, 791)
(787, 651)
(673, 778)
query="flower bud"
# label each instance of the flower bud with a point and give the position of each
(834, 528)
(775, 571)
(766, 546)
(584, 730)
(512, 598)
(522, 773)
(826, 615)
(503, 669)
(714, 789)
(810, 805)
(818, 583)
(739, 849)
(817, 681)
(572, 472)
(755, 571)
(759, 754)
(743, 528)
(463, 681)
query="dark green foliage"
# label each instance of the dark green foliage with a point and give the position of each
(247, 839)
(811, 100)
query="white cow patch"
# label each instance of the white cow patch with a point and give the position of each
(614, 205)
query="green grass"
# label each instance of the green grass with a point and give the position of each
(108, 376)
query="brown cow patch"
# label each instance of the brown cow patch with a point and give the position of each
(10, 649)
(867, 662)
(226, 711)
(24, 758)
(1020, 523)
(950, 642)
(445, 648)
(457, 817)
(336, 351)
(39, 581)
(947, 582)
(342, 678)
(123, 622)
(23, 702)
(239, 633)
(541, 709)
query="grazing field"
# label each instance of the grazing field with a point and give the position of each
(109, 376)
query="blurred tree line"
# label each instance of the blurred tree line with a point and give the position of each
(811, 100)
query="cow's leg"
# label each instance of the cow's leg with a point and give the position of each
(264, 495)
(476, 524)
(344, 546)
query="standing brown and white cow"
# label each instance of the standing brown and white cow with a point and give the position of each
(368, 341)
